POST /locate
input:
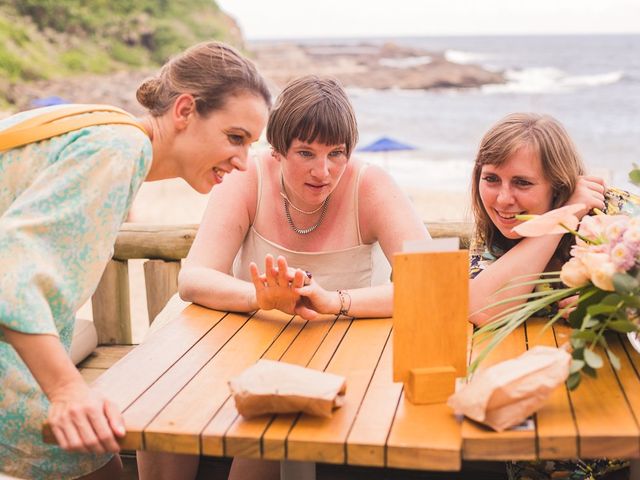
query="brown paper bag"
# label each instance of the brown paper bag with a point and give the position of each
(278, 387)
(505, 394)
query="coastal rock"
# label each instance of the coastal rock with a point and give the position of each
(369, 66)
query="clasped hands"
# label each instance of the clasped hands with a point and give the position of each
(291, 290)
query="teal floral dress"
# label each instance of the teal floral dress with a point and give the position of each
(616, 201)
(62, 202)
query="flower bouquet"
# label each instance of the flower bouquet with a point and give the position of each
(602, 278)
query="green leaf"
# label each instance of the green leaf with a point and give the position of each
(598, 309)
(592, 359)
(590, 296)
(573, 381)
(576, 366)
(589, 371)
(634, 176)
(578, 346)
(612, 299)
(625, 284)
(623, 326)
(615, 361)
(587, 335)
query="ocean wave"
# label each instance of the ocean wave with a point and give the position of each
(405, 62)
(464, 58)
(549, 80)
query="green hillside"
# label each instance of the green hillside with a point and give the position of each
(48, 39)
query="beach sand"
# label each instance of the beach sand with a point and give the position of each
(174, 202)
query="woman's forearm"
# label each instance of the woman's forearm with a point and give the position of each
(214, 289)
(529, 257)
(46, 358)
(369, 302)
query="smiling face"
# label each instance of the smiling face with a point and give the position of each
(311, 171)
(211, 146)
(517, 187)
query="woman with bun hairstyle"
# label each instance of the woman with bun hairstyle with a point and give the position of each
(62, 201)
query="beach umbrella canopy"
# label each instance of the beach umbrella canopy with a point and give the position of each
(386, 144)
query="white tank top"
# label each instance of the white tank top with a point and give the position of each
(363, 265)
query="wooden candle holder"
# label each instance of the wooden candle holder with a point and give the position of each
(430, 323)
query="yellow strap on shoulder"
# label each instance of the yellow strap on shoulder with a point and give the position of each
(63, 120)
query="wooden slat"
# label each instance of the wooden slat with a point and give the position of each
(172, 242)
(424, 437)
(323, 439)
(557, 434)
(156, 397)
(166, 242)
(243, 437)
(110, 305)
(367, 440)
(239, 436)
(274, 438)
(137, 371)
(178, 426)
(161, 282)
(482, 443)
(105, 356)
(605, 422)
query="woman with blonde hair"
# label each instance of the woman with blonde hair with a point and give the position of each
(62, 201)
(527, 164)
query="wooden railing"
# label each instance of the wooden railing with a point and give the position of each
(163, 246)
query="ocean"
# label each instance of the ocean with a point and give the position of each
(590, 83)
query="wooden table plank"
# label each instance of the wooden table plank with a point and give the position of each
(152, 401)
(482, 443)
(627, 375)
(426, 437)
(323, 439)
(274, 438)
(178, 426)
(368, 437)
(243, 437)
(141, 367)
(605, 422)
(557, 434)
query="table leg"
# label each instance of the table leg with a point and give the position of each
(290, 470)
(634, 473)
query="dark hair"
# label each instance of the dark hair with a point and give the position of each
(561, 165)
(312, 108)
(210, 71)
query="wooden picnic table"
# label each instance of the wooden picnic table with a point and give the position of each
(174, 395)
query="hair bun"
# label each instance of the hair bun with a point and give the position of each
(147, 93)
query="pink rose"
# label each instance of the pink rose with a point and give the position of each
(574, 273)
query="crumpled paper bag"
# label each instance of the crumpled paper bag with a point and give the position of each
(278, 387)
(505, 394)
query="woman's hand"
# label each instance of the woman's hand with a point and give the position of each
(276, 287)
(83, 421)
(569, 304)
(315, 300)
(589, 191)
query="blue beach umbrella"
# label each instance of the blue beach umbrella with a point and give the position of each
(386, 144)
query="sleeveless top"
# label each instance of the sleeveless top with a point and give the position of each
(363, 265)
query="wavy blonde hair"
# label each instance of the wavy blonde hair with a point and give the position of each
(560, 160)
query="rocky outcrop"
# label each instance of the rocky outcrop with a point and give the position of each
(370, 66)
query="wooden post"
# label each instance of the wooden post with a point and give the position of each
(430, 319)
(161, 279)
(110, 305)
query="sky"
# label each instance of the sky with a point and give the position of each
(273, 19)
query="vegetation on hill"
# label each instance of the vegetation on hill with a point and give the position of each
(48, 39)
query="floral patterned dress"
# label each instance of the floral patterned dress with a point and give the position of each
(616, 201)
(62, 202)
